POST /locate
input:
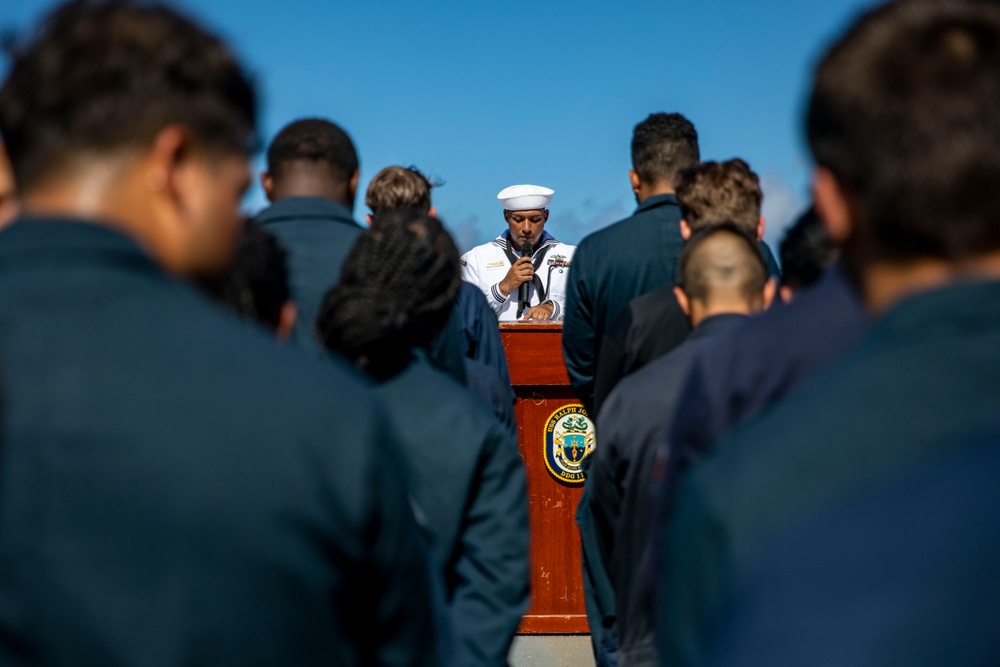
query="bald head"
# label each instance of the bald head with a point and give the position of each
(722, 271)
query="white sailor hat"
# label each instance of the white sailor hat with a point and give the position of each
(525, 197)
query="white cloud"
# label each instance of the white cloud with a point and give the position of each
(782, 205)
(571, 225)
(465, 231)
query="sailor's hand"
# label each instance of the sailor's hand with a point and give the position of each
(520, 271)
(541, 312)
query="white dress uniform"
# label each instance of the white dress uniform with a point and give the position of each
(486, 265)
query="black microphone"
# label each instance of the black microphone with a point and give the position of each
(522, 289)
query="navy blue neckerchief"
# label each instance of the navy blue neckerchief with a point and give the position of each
(536, 260)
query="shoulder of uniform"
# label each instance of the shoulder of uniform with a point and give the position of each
(458, 398)
(471, 254)
(603, 234)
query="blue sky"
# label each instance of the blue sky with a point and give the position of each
(486, 95)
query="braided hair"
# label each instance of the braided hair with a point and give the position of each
(396, 292)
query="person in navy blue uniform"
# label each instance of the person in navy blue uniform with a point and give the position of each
(653, 324)
(468, 482)
(722, 280)
(818, 318)
(909, 577)
(707, 194)
(902, 125)
(770, 358)
(806, 253)
(311, 181)
(175, 488)
(470, 338)
(255, 285)
(611, 267)
(614, 265)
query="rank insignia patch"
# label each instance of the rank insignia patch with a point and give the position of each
(569, 439)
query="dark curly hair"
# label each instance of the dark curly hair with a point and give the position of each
(662, 145)
(256, 285)
(715, 192)
(396, 291)
(102, 76)
(806, 251)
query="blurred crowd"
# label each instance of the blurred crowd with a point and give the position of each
(291, 438)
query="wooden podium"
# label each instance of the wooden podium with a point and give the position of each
(543, 394)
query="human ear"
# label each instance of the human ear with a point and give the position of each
(760, 228)
(166, 157)
(832, 206)
(787, 294)
(175, 187)
(433, 212)
(685, 230)
(286, 320)
(368, 219)
(171, 179)
(353, 185)
(682, 301)
(267, 183)
(770, 288)
(633, 179)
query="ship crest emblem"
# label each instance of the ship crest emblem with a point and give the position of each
(569, 439)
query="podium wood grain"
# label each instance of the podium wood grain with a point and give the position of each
(541, 386)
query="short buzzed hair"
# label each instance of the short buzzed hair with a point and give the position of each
(396, 188)
(716, 192)
(314, 141)
(904, 113)
(100, 77)
(662, 145)
(721, 257)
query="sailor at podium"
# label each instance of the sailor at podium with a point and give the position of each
(524, 254)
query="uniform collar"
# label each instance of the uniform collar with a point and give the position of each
(37, 241)
(715, 324)
(968, 306)
(306, 208)
(547, 239)
(656, 201)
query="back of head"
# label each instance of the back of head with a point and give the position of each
(397, 188)
(662, 145)
(903, 113)
(312, 145)
(256, 286)
(722, 264)
(806, 251)
(396, 291)
(713, 193)
(100, 78)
